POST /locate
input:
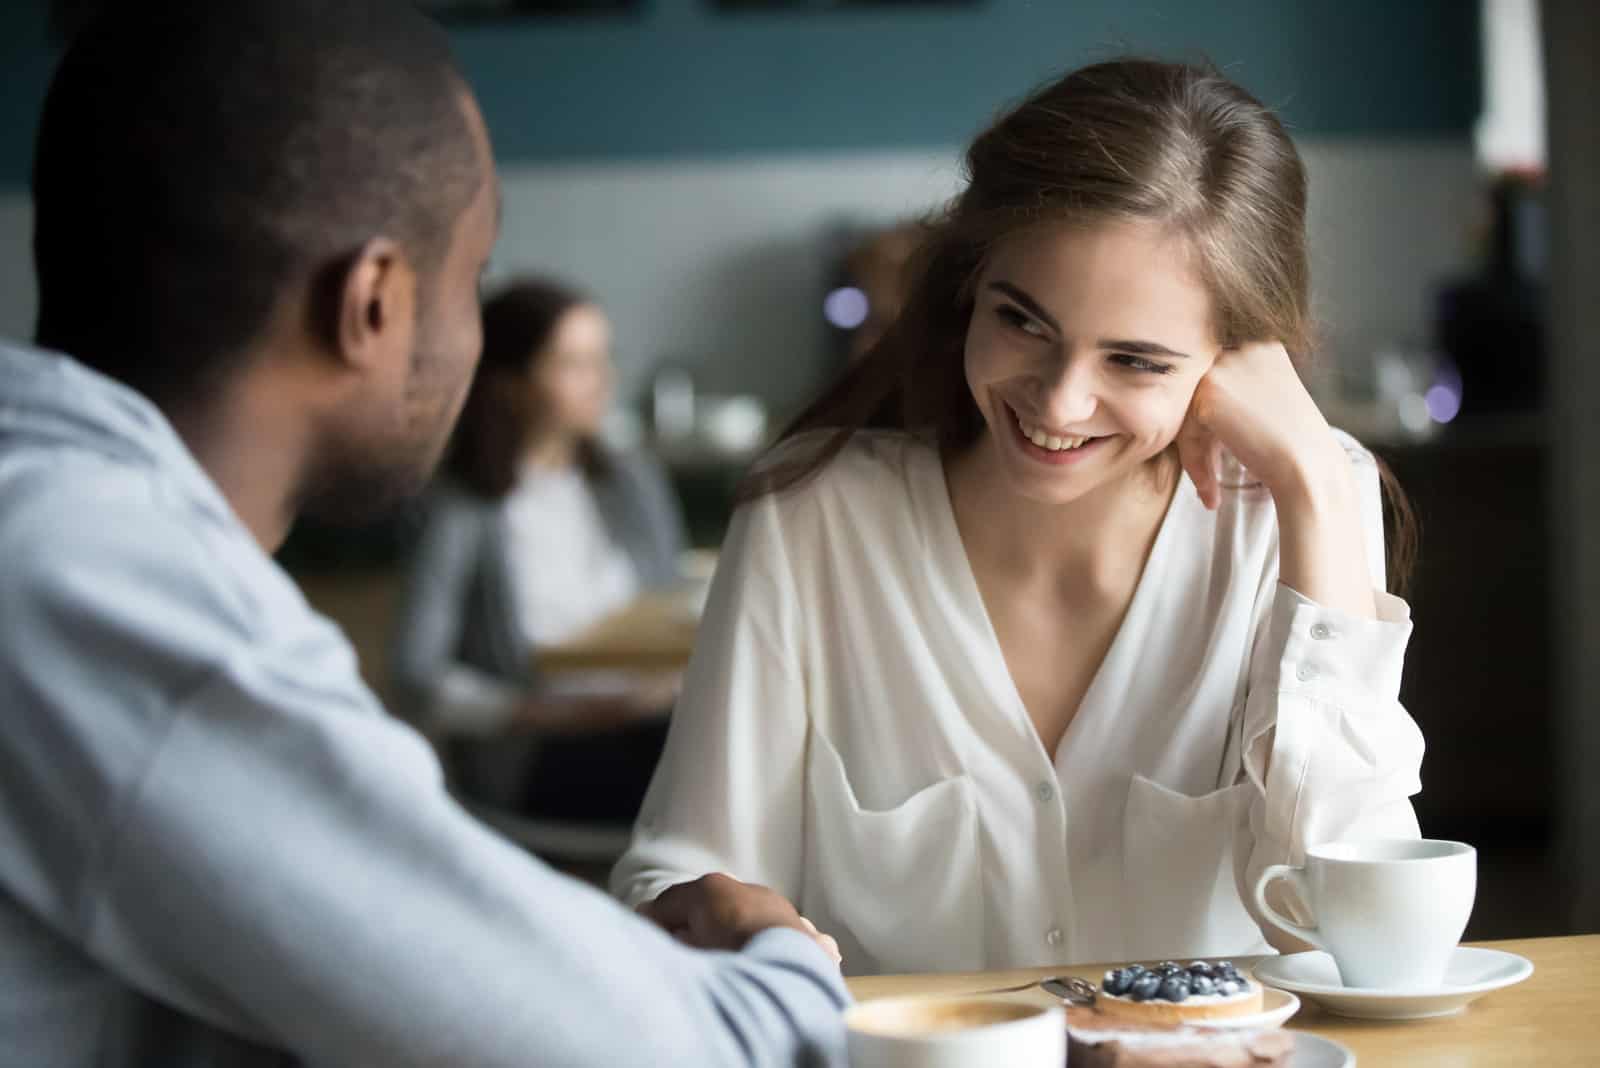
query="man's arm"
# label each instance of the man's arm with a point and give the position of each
(205, 797)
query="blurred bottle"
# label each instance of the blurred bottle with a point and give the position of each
(1491, 325)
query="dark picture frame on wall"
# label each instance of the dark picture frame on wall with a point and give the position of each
(500, 10)
(838, 5)
(67, 15)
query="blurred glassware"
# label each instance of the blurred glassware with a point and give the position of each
(735, 425)
(673, 404)
(1389, 390)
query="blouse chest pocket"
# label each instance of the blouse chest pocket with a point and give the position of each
(1180, 895)
(901, 883)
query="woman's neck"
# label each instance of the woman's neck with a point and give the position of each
(552, 452)
(1096, 543)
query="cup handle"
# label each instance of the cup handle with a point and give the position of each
(1296, 876)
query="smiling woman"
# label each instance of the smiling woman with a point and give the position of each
(1109, 389)
(996, 671)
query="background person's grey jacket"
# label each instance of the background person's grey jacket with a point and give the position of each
(459, 661)
(216, 848)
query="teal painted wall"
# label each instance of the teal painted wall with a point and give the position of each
(26, 60)
(680, 79)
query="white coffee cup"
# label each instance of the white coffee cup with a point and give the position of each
(955, 1032)
(1389, 911)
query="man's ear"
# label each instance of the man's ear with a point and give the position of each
(374, 304)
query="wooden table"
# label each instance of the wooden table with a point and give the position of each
(1552, 1018)
(654, 633)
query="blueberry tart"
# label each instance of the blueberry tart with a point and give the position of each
(1172, 992)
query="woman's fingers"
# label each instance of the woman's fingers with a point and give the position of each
(1200, 453)
(829, 944)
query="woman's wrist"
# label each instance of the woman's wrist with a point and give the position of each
(1322, 545)
(1316, 482)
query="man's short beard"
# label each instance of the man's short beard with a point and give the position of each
(355, 484)
(353, 490)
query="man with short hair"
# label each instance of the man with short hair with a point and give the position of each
(259, 230)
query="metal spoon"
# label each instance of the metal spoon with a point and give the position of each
(1068, 988)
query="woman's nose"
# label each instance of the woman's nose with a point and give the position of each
(1071, 395)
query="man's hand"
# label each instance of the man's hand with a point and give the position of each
(717, 911)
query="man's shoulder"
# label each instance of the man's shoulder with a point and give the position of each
(82, 529)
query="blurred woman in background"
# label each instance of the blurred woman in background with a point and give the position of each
(535, 533)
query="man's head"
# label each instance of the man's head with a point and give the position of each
(298, 191)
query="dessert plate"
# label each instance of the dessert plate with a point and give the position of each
(1472, 973)
(1314, 1051)
(1276, 1007)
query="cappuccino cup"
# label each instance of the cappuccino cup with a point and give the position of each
(1389, 911)
(955, 1032)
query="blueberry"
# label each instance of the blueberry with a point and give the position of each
(1117, 982)
(1200, 967)
(1135, 970)
(1224, 967)
(1145, 987)
(1168, 964)
(1174, 988)
(1229, 987)
(1202, 985)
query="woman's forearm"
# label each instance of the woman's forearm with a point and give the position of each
(1322, 549)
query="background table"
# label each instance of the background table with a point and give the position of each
(1552, 1018)
(653, 633)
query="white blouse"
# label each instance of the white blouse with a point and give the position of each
(567, 572)
(849, 735)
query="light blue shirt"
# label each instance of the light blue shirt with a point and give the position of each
(215, 846)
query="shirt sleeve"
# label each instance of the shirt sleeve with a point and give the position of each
(434, 690)
(728, 792)
(1325, 740)
(230, 825)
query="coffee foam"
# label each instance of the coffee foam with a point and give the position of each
(903, 1017)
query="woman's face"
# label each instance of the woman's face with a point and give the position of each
(1084, 350)
(572, 379)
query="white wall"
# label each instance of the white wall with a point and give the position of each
(720, 264)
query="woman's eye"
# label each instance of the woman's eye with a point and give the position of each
(1014, 318)
(1139, 363)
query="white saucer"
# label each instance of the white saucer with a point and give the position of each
(1276, 1007)
(1472, 974)
(1314, 1051)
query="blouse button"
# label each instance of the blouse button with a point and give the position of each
(1321, 631)
(1053, 936)
(1305, 673)
(1045, 792)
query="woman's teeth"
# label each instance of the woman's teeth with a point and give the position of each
(1051, 441)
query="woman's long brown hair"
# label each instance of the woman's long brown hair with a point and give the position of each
(499, 415)
(1127, 139)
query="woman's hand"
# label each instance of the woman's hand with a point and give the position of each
(717, 911)
(1253, 403)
